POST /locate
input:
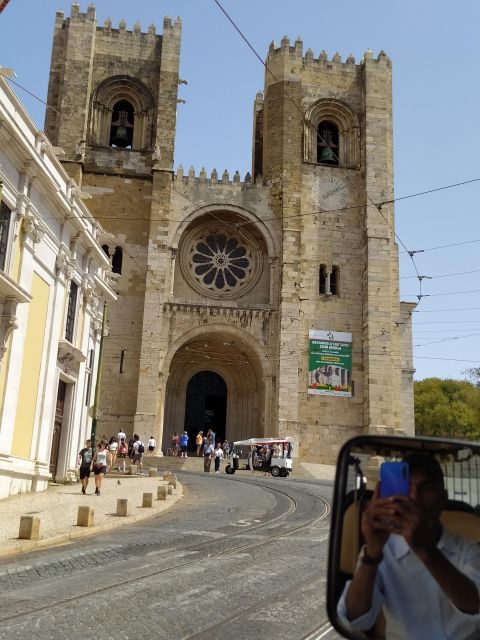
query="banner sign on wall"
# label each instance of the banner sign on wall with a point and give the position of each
(330, 363)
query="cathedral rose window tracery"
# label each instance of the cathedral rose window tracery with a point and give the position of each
(219, 263)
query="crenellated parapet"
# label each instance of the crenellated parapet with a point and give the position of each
(215, 179)
(286, 54)
(77, 16)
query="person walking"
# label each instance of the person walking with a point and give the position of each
(138, 451)
(112, 452)
(199, 442)
(175, 445)
(218, 454)
(207, 456)
(122, 454)
(100, 465)
(85, 457)
(121, 435)
(184, 444)
(151, 445)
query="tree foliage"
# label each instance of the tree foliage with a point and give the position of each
(447, 409)
(473, 375)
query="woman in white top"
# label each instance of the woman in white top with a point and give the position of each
(100, 465)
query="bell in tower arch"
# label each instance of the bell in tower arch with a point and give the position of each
(327, 143)
(121, 132)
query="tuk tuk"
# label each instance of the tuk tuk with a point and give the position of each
(270, 455)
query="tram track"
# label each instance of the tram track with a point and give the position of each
(280, 520)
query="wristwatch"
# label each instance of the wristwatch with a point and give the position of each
(364, 558)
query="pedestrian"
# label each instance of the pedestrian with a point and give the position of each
(112, 452)
(122, 454)
(218, 453)
(207, 457)
(211, 437)
(151, 445)
(121, 435)
(175, 441)
(130, 447)
(138, 451)
(100, 465)
(226, 448)
(199, 442)
(184, 444)
(85, 460)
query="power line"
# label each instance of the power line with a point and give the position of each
(453, 244)
(446, 293)
(472, 335)
(444, 275)
(444, 310)
(446, 359)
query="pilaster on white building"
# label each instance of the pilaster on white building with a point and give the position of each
(54, 282)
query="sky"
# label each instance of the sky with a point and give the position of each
(434, 47)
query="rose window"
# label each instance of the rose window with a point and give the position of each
(219, 263)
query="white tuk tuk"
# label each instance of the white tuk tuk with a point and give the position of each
(271, 455)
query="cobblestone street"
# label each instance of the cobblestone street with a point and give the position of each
(247, 556)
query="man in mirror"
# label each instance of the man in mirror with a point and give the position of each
(426, 579)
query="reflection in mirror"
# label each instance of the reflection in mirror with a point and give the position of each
(404, 560)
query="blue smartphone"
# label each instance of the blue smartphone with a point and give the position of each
(394, 479)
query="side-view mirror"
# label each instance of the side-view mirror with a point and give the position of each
(405, 566)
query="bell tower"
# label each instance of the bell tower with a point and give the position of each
(323, 142)
(112, 101)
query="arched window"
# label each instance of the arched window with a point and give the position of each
(121, 130)
(332, 134)
(117, 260)
(328, 148)
(329, 280)
(106, 250)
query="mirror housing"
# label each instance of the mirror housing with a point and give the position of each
(356, 476)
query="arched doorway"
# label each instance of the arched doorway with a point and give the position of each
(222, 353)
(206, 405)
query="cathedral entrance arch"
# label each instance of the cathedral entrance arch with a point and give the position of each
(206, 405)
(218, 375)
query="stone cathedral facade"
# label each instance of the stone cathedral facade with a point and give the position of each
(221, 279)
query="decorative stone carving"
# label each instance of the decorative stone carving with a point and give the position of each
(31, 229)
(8, 323)
(69, 357)
(64, 265)
(219, 262)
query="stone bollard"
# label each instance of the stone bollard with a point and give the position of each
(166, 475)
(29, 528)
(162, 492)
(170, 489)
(85, 516)
(122, 507)
(152, 472)
(172, 483)
(132, 470)
(147, 500)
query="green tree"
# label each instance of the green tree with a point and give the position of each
(447, 408)
(473, 375)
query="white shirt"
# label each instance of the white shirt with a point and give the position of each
(152, 443)
(219, 453)
(113, 446)
(121, 435)
(415, 606)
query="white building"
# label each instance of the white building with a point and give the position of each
(54, 281)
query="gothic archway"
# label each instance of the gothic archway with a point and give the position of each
(232, 356)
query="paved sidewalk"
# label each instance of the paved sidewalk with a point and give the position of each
(57, 509)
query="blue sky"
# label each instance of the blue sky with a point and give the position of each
(434, 47)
